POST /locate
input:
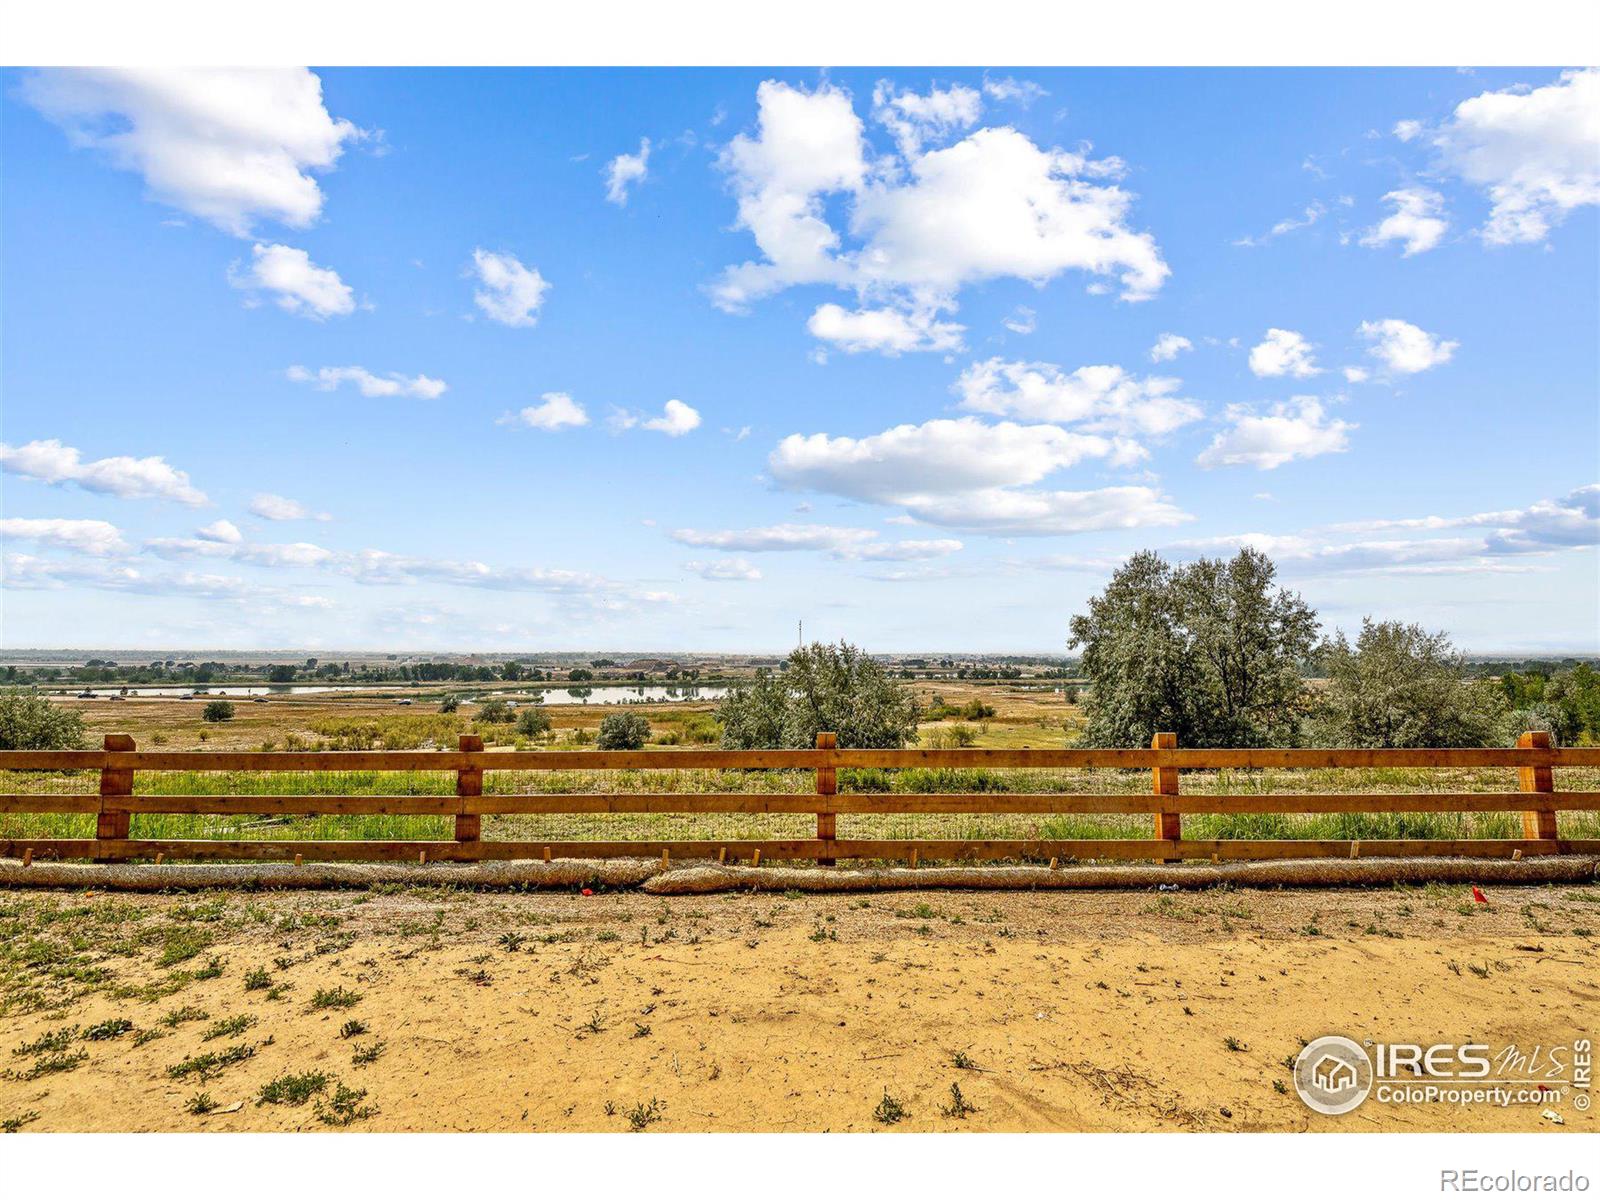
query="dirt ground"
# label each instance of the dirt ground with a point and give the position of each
(558, 1011)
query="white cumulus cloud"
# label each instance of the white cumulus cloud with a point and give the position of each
(889, 331)
(99, 538)
(270, 507)
(676, 419)
(725, 570)
(626, 170)
(921, 222)
(555, 411)
(1416, 221)
(1283, 352)
(1298, 428)
(1532, 151)
(297, 284)
(229, 146)
(1101, 398)
(510, 292)
(1168, 346)
(328, 379)
(1403, 347)
(130, 478)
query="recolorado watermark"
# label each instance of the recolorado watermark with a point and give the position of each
(1508, 1183)
(1335, 1075)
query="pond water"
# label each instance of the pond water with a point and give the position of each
(600, 694)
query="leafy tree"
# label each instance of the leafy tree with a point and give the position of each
(495, 712)
(1210, 650)
(217, 711)
(840, 689)
(1574, 695)
(623, 731)
(449, 704)
(533, 721)
(30, 722)
(579, 674)
(276, 674)
(1400, 685)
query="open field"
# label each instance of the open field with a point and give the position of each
(434, 1009)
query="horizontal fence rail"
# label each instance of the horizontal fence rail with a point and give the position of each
(115, 803)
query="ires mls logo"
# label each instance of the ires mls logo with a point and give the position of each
(1333, 1075)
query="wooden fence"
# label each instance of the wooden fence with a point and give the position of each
(116, 801)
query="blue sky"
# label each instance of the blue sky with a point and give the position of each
(916, 356)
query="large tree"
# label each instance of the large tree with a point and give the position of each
(1210, 650)
(1400, 685)
(839, 689)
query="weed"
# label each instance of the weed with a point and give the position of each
(1234, 1044)
(370, 1053)
(13, 1124)
(211, 970)
(596, 1022)
(823, 934)
(962, 1061)
(513, 941)
(209, 1064)
(292, 1089)
(55, 1040)
(181, 945)
(53, 1064)
(339, 997)
(640, 1031)
(105, 1030)
(958, 1108)
(889, 1111)
(352, 1028)
(200, 1104)
(1480, 972)
(187, 1013)
(257, 980)
(146, 1036)
(228, 1027)
(641, 1116)
(1278, 1086)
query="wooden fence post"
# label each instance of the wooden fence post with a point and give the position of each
(113, 823)
(469, 782)
(827, 785)
(1537, 822)
(1164, 780)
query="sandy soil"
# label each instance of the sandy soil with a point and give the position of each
(1098, 1011)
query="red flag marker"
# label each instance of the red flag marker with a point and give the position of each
(1479, 896)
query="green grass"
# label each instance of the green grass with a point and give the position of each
(738, 826)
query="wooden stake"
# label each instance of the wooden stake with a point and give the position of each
(913, 860)
(722, 856)
(469, 784)
(114, 825)
(297, 860)
(1052, 864)
(160, 858)
(1538, 822)
(827, 785)
(27, 857)
(547, 854)
(422, 858)
(1355, 848)
(755, 859)
(1164, 782)
(1516, 856)
(664, 858)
